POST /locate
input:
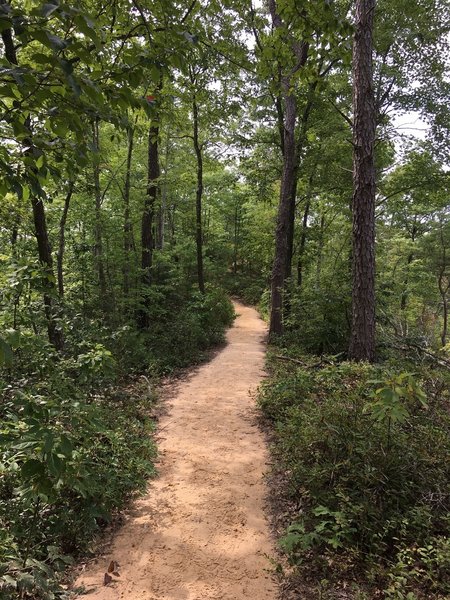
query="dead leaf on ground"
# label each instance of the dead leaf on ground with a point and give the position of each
(113, 566)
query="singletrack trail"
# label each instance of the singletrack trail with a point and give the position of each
(200, 532)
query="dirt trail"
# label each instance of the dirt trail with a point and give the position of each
(200, 533)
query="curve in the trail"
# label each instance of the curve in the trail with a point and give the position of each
(200, 532)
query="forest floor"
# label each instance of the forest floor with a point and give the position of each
(200, 532)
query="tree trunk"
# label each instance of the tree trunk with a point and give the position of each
(198, 200)
(300, 144)
(286, 209)
(404, 295)
(444, 291)
(14, 236)
(54, 332)
(163, 200)
(236, 238)
(284, 216)
(62, 240)
(444, 287)
(45, 257)
(127, 228)
(318, 283)
(147, 233)
(362, 339)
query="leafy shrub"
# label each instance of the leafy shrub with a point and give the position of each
(96, 363)
(70, 456)
(199, 324)
(67, 465)
(367, 465)
(75, 439)
(249, 288)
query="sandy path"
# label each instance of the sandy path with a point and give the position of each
(200, 533)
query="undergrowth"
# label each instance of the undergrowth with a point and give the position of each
(75, 435)
(364, 450)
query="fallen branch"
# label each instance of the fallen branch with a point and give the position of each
(323, 362)
(407, 346)
(439, 359)
(289, 359)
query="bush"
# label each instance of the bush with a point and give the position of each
(198, 325)
(75, 440)
(367, 465)
(249, 288)
(68, 464)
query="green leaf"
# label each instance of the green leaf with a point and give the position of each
(85, 25)
(5, 24)
(55, 465)
(6, 354)
(48, 9)
(59, 127)
(66, 446)
(25, 193)
(66, 66)
(57, 43)
(321, 510)
(50, 40)
(12, 337)
(74, 85)
(32, 468)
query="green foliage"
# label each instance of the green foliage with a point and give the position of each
(390, 401)
(365, 455)
(67, 465)
(75, 441)
(183, 336)
(96, 363)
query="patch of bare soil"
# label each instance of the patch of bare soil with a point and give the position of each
(200, 533)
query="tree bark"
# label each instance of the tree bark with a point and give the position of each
(444, 287)
(198, 199)
(54, 332)
(147, 228)
(163, 200)
(404, 295)
(14, 237)
(237, 222)
(362, 338)
(55, 335)
(300, 144)
(318, 283)
(127, 227)
(284, 228)
(62, 240)
(283, 218)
